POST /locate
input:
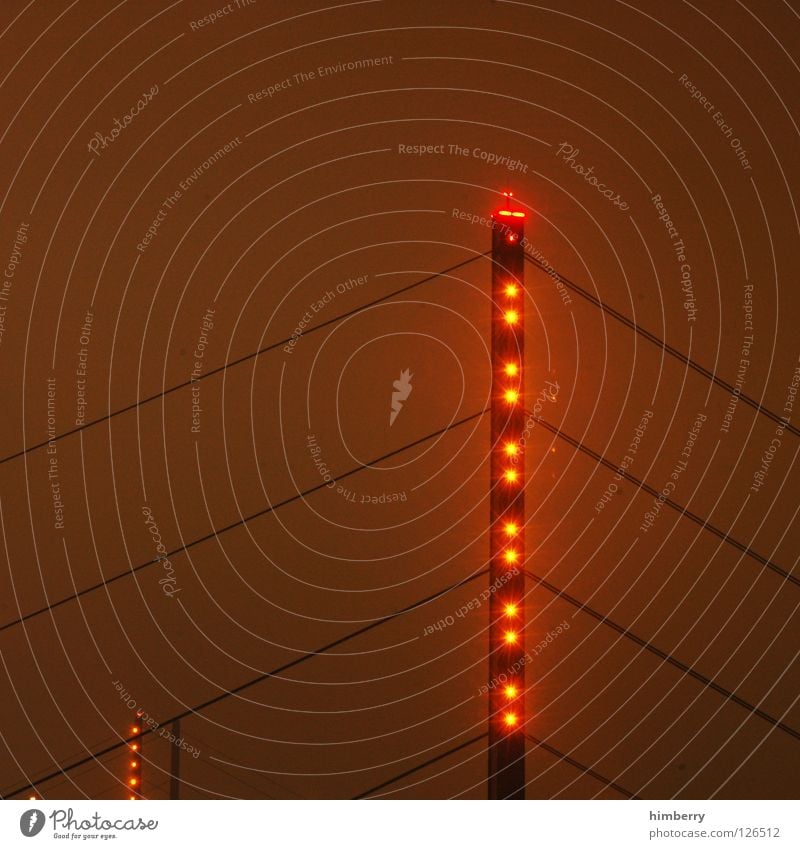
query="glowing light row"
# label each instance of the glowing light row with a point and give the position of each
(134, 781)
(512, 450)
(506, 692)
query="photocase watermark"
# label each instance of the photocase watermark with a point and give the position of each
(527, 246)
(719, 119)
(546, 266)
(9, 274)
(402, 389)
(679, 250)
(53, 476)
(318, 305)
(627, 461)
(569, 156)
(350, 495)
(499, 160)
(505, 677)
(777, 440)
(547, 394)
(169, 583)
(321, 71)
(33, 821)
(82, 365)
(144, 718)
(476, 602)
(100, 141)
(222, 12)
(548, 639)
(206, 326)
(680, 467)
(744, 359)
(171, 201)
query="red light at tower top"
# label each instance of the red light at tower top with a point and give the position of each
(508, 212)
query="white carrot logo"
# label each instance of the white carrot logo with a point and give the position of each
(31, 822)
(403, 389)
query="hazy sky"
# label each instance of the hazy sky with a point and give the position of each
(187, 186)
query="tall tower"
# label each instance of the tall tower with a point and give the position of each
(507, 514)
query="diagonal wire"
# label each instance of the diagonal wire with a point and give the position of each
(239, 523)
(258, 790)
(541, 743)
(597, 457)
(703, 523)
(557, 431)
(541, 581)
(666, 657)
(239, 360)
(417, 768)
(247, 684)
(271, 780)
(578, 765)
(651, 337)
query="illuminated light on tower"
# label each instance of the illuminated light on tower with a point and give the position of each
(507, 469)
(510, 719)
(134, 780)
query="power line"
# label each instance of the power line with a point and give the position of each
(421, 766)
(703, 523)
(578, 765)
(668, 658)
(651, 337)
(215, 533)
(541, 581)
(537, 264)
(598, 458)
(726, 538)
(535, 740)
(240, 780)
(267, 777)
(557, 431)
(251, 683)
(237, 361)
